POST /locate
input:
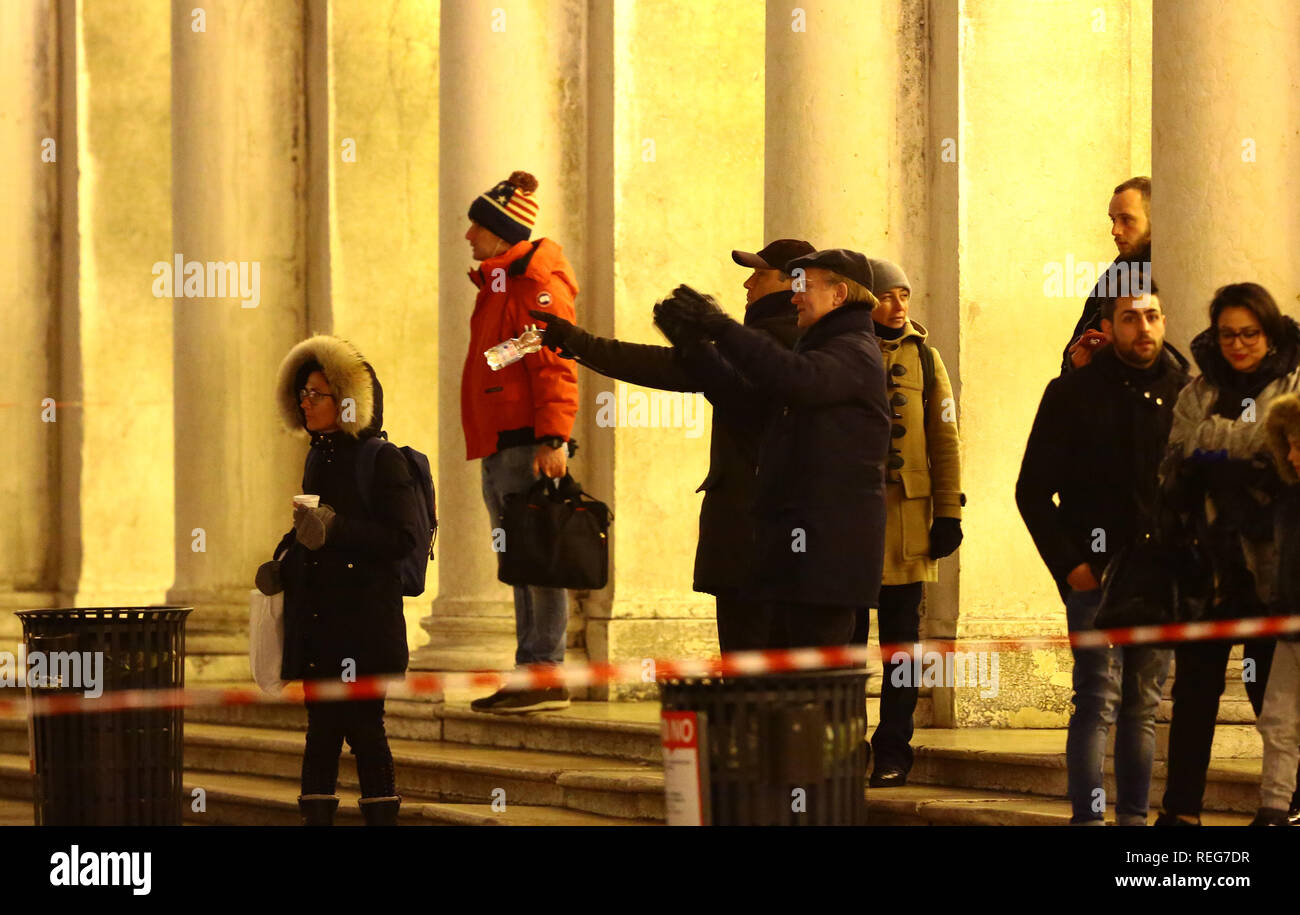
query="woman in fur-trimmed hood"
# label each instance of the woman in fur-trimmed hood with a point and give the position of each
(339, 569)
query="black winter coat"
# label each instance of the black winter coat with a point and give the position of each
(722, 557)
(344, 601)
(1096, 444)
(819, 503)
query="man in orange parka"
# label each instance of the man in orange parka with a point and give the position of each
(519, 419)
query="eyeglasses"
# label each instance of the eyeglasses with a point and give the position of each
(312, 395)
(1248, 336)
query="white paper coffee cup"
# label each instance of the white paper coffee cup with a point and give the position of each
(309, 501)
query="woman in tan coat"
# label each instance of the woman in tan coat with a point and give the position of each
(923, 502)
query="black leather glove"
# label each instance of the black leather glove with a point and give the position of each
(680, 331)
(557, 331)
(945, 537)
(313, 525)
(268, 578)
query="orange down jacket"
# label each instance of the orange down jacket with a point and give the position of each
(539, 391)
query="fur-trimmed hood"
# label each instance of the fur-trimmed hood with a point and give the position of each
(350, 377)
(1283, 420)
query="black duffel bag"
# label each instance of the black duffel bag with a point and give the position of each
(555, 537)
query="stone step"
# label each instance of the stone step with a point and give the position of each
(1033, 762)
(519, 815)
(448, 772)
(935, 805)
(228, 800)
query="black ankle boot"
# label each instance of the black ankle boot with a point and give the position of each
(318, 809)
(380, 811)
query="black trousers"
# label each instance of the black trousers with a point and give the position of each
(1199, 670)
(900, 623)
(743, 625)
(811, 625)
(361, 723)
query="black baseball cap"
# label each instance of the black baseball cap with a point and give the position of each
(851, 264)
(775, 255)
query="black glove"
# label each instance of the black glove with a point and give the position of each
(681, 332)
(690, 316)
(268, 578)
(945, 537)
(557, 332)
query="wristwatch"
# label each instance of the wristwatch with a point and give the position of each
(552, 441)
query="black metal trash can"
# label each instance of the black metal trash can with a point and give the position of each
(120, 768)
(781, 749)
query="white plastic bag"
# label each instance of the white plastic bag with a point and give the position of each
(266, 640)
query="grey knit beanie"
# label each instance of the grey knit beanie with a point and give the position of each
(886, 275)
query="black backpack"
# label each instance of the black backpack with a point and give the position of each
(415, 564)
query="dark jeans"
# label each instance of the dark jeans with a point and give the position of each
(361, 722)
(900, 623)
(811, 625)
(1199, 670)
(1119, 686)
(743, 625)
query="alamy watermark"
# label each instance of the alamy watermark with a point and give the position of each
(83, 670)
(1070, 279)
(633, 408)
(209, 280)
(972, 669)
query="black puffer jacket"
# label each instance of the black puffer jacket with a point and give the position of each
(819, 501)
(343, 602)
(726, 522)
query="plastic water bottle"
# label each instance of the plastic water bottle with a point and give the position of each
(514, 349)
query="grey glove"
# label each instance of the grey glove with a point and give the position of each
(268, 578)
(312, 526)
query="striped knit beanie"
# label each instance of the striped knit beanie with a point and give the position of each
(509, 209)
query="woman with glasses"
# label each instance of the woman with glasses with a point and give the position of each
(1219, 475)
(339, 570)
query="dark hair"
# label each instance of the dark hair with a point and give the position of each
(1109, 302)
(304, 372)
(1140, 183)
(1255, 298)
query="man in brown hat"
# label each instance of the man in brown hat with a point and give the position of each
(721, 559)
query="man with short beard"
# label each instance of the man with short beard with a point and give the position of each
(1096, 446)
(1130, 227)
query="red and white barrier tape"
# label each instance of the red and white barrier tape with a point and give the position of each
(636, 671)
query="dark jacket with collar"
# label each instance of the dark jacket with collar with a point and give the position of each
(819, 503)
(1096, 444)
(722, 561)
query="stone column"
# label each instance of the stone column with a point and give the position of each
(846, 156)
(672, 195)
(238, 172)
(512, 91)
(377, 167)
(114, 367)
(1226, 154)
(1034, 151)
(29, 301)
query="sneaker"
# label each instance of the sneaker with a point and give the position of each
(1268, 816)
(487, 703)
(533, 700)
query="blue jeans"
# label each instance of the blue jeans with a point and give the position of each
(1127, 679)
(541, 614)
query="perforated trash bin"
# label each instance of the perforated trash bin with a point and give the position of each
(779, 749)
(120, 768)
